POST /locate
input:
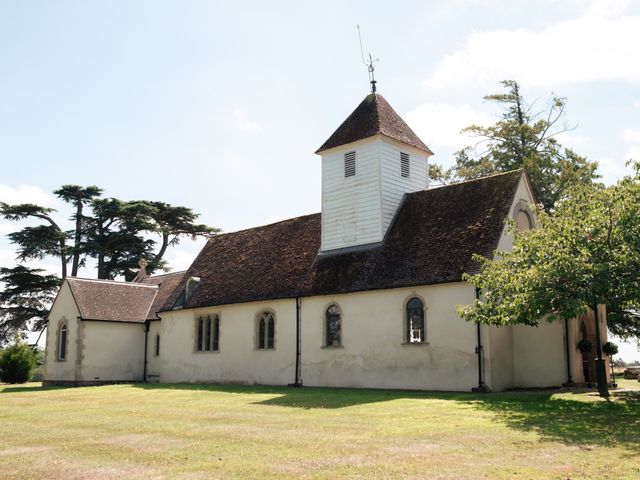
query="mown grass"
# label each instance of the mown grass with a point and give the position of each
(198, 431)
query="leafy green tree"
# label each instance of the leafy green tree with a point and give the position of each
(25, 300)
(522, 138)
(17, 362)
(585, 253)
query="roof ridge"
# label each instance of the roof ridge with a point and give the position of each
(268, 224)
(111, 282)
(477, 179)
(166, 274)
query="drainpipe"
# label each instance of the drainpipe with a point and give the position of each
(482, 387)
(298, 380)
(601, 374)
(567, 350)
(146, 335)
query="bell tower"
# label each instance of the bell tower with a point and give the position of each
(368, 164)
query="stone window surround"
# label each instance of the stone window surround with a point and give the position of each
(324, 325)
(195, 336)
(256, 331)
(405, 340)
(62, 323)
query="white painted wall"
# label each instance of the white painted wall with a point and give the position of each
(538, 355)
(63, 310)
(238, 361)
(374, 354)
(357, 210)
(394, 185)
(153, 360)
(113, 351)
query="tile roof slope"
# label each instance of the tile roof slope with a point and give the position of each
(112, 301)
(431, 241)
(373, 116)
(166, 284)
(260, 263)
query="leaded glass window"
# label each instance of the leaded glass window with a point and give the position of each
(266, 331)
(415, 332)
(333, 326)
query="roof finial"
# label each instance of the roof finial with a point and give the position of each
(368, 63)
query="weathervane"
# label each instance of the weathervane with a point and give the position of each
(369, 64)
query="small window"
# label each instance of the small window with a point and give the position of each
(349, 164)
(208, 333)
(62, 342)
(404, 165)
(333, 326)
(266, 331)
(414, 322)
(523, 221)
(157, 345)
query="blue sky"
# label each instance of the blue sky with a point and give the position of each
(220, 106)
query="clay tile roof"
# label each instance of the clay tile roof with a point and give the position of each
(372, 117)
(112, 301)
(166, 284)
(261, 263)
(432, 239)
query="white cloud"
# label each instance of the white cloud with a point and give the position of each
(439, 124)
(243, 123)
(631, 135)
(593, 47)
(636, 103)
(611, 169)
(26, 194)
(633, 152)
(572, 140)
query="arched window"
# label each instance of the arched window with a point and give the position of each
(523, 217)
(62, 342)
(157, 346)
(208, 333)
(333, 326)
(414, 321)
(266, 331)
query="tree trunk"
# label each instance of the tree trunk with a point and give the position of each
(78, 238)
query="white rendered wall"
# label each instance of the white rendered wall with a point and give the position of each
(113, 351)
(238, 360)
(153, 360)
(63, 310)
(357, 210)
(373, 352)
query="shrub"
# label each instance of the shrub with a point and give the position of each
(585, 346)
(610, 349)
(17, 362)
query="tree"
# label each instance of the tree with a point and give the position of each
(585, 253)
(79, 197)
(116, 233)
(40, 241)
(522, 138)
(17, 362)
(24, 300)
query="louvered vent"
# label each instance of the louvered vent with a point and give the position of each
(404, 164)
(349, 164)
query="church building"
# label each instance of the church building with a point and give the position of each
(362, 294)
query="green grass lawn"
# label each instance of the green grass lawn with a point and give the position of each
(196, 431)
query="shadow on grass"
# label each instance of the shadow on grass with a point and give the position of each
(579, 422)
(574, 422)
(14, 388)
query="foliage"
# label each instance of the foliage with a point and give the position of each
(117, 234)
(522, 138)
(24, 300)
(17, 362)
(585, 253)
(585, 346)
(610, 349)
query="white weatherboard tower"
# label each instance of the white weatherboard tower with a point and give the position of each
(368, 164)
